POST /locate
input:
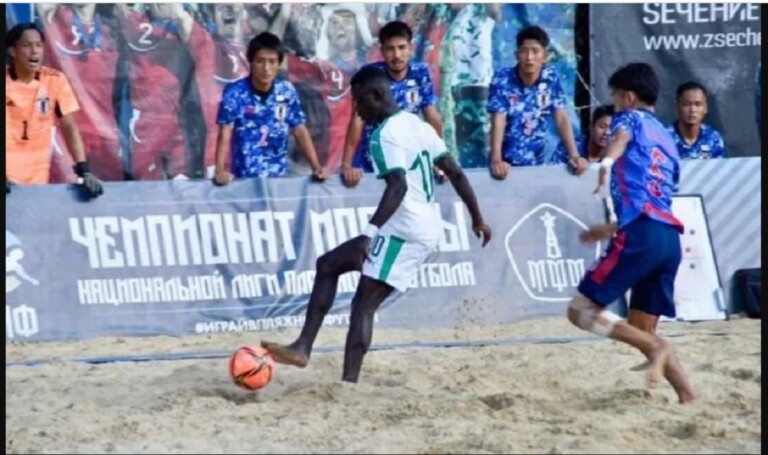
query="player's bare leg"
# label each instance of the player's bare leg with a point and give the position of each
(644, 321)
(655, 349)
(369, 296)
(647, 323)
(330, 266)
(679, 380)
(586, 315)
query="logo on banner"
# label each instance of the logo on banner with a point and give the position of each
(546, 255)
(21, 321)
(15, 275)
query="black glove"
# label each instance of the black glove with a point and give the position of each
(89, 182)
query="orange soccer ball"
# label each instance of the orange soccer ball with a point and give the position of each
(251, 367)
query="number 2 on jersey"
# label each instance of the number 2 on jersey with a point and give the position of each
(263, 142)
(147, 28)
(424, 165)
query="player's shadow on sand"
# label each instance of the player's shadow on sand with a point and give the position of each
(622, 398)
(231, 394)
(205, 381)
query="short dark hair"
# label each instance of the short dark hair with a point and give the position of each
(15, 33)
(691, 85)
(534, 32)
(605, 110)
(368, 75)
(266, 40)
(395, 29)
(637, 77)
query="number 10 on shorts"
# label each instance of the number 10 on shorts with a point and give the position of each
(376, 245)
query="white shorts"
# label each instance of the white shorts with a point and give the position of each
(396, 261)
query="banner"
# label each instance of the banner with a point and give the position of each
(188, 257)
(149, 76)
(183, 257)
(716, 44)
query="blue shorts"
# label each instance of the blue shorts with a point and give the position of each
(643, 257)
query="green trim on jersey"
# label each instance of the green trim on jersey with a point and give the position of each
(393, 250)
(376, 151)
(389, 171)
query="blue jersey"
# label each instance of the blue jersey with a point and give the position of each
(262, 123)
(412, 94)
(560, 155)
(528, 111)
(709, 144)
(646, 175)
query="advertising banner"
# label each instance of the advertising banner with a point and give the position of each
(716, 44)
(185, 257)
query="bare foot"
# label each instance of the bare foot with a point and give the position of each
(658, 358)
(286, 354)
(642, 367)
(679, 381)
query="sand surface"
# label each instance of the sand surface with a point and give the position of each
(518, 398)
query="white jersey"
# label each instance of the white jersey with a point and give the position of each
(404, 141)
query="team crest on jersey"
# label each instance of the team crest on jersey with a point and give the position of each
(543, 99)
(412, 96)
(281, 111)
(43, 104)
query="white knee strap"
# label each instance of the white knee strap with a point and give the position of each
(604, 322)
(598, 322)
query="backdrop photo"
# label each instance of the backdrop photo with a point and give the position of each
(149, 76)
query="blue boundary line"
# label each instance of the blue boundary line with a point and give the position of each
(217, 354)
(220, 354)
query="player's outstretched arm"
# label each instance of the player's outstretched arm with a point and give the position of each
(351, 176)
(499, 168)
(223, 141)
(89, 182)
(301, 133)
(613, 151)
(460, 183)
(565, 130)
(393, 196)
(598, 233)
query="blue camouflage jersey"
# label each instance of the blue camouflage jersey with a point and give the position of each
(528, 110)
(560, 155)
(412, 94)
(709, 144)
(262, 123)
(647, 174)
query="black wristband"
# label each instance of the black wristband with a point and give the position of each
(81, 168)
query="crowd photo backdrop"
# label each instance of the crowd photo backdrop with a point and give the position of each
(149, 76)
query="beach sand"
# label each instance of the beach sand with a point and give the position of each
(579, 397)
